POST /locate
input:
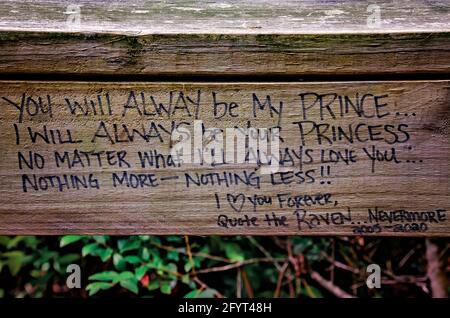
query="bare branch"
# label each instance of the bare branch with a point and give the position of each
(330, 286)
(438, 280)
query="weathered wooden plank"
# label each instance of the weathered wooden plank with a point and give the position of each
(225, 16)
(226, 38)
(327, 182)
(223, 55)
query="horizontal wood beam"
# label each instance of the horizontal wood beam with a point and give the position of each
(141, 17)
(357, 158)
(302, 55)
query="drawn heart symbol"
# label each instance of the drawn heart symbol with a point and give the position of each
(234, 201)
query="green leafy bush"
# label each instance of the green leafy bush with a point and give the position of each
(158, 266)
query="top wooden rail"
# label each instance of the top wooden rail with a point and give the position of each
(133, 17)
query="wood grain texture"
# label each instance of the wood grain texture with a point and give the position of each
(50, 54)
(147, 39)
(135, 17)
(411, 194)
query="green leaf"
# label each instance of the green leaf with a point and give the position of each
(145, 254)
(188, 266)
(234, 252)
(175, 239)
(69, 239)
(14, 242)
(140, 271)
(204, 250)
(193, 294)
(156, 262)
(207, 293)
(126, 275)
(128, 245)
(165, 288)
(108, 276)
(173, 255)
(185, 279)
(118, 262)
(131, 284)
(12, 254)
(105, 254)
(89, 249)
(171, 267)
(94, 288)
(100, 239)
(36, 273)
(96, 250)
(132, 259)
(2, 293)
(154, 284)
(45, 267)
(14, 260)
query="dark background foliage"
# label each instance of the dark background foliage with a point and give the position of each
(243, 266)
